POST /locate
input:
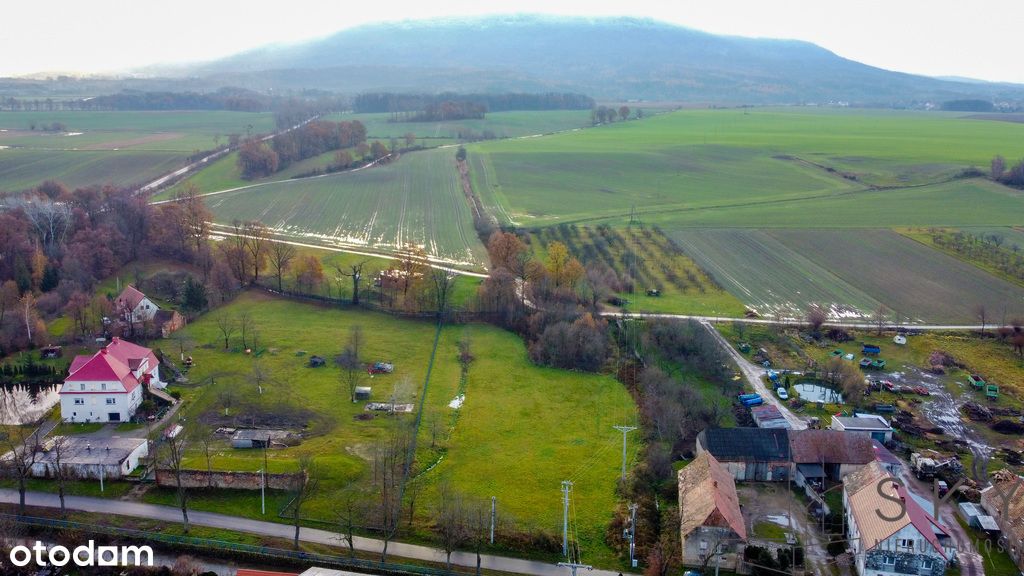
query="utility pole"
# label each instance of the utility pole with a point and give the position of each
(632, 533)
(625, 430)
(566, 487)
(494, 502)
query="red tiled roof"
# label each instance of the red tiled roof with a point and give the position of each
(78, 362)
(127, 352)
(130, 296)
(104, 367)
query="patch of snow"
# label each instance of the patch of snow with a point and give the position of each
(780, 519)
(75, 134)
(456, 402)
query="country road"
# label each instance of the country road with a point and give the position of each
(287, 532)
(752, 374)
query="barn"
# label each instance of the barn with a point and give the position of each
(755, 454)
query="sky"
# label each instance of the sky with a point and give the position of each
(980, 39)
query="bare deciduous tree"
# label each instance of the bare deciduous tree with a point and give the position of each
(389, 466)
(281, 256)
(309, 483)
(172, 456)
(981, 313)
(450, 521)
(351, 511)
(227, 328)
(355, 272)
(350, 361)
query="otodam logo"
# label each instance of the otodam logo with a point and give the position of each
(85, 556)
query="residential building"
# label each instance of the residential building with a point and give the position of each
(711, 523)
(748, 453)
(871, 425)
(108, 386)
(134, 307)
(90, 458)
(888, 532)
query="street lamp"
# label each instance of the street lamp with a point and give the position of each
(263, 491)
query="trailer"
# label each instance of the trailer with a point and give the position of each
(743, 397)
(977, 381)
(865, 363)
(871, 349)
(756, 401)
(992, 392)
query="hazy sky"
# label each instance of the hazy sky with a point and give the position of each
(980, 39)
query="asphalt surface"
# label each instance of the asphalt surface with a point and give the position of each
(273, 529)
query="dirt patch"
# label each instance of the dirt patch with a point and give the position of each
(130, 142)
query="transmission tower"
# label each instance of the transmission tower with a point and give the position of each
(625, 430)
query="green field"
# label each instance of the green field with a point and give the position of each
(23, 169)
(510, 404)
(503, 124)
(771, 278)
(755, 168)
(416, 199)
(119, 148)
(912, 280)
(785, 270)
(182, 131)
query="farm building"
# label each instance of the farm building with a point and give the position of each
(887, 459)
(363, 393)
(872, 425)
(974, 515)
(255, 438)
(828, 453)
(889, 532)
(710, 521)
(167, 322)
(760, 454)
(109, 458)
(769, 416)
(1004, 501)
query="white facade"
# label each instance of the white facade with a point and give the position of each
(98, 402)
(144, 311)
(83, 458)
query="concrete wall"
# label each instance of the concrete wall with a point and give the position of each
(229, 480)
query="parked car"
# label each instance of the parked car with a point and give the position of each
(782, 393)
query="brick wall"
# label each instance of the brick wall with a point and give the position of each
(228, 480)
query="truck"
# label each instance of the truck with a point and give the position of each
(922, 467)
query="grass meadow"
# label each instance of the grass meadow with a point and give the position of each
(512, 424)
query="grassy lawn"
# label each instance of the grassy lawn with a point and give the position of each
(770, 531)
(997, 562)
(513, 417)
(111, 489)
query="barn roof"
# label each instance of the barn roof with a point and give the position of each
(830, 447)
(707, 497)
(746, 444)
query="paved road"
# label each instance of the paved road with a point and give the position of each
(752, 373)
(273, 529)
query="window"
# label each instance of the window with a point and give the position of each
(81, 386)
(926, 563)
(905, 543)
(111, 400)
(103, 386)
(888, 561)
(79, 401)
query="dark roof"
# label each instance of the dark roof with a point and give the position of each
(830, 447)
(746, 444)
(811, 470)
(883, 455)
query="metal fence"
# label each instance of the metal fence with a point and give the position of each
(220, 547)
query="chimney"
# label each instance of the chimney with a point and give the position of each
(103, 351)
(714, 483)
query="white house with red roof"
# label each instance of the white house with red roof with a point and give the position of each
(133, 306)
(889, 533)
(107, 386)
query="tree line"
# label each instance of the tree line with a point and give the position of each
(1000, 171)
(395, 102)
(258, 159)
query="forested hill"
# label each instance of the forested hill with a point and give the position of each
(606, 58)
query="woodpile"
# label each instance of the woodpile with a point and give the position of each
(977, 412)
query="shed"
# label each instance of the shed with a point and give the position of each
(976, 517)
(255, 438)
(109, 458)
(769, 416)
(872, 425)
(363, 392)
(317, 361)
(758, 454)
